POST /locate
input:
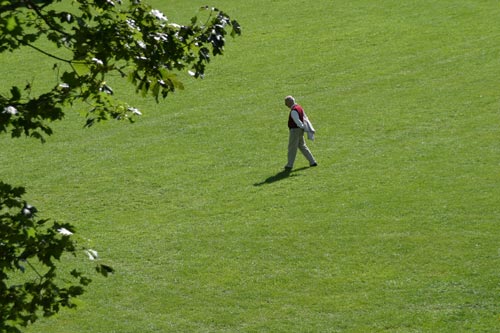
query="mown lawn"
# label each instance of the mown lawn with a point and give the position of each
(396, 230)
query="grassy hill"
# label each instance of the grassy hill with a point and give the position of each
(397, 230)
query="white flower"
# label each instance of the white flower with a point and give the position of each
(135, 111)
(10, 110)
(159, 15)
(98, 61)
(64, 85)
(132, 25)
(64, 232)
(141, 44)
(191, 73)
(160, 37)
(92, 254)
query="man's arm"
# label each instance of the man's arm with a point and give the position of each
(296, 119)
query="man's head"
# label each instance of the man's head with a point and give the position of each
(289, 101)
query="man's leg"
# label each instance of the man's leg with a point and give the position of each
(293, 144)
(305, 151)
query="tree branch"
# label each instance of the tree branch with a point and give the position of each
(48, 54)
(37, 10)
(20, 3)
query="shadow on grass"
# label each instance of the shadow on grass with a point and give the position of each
(279, 176)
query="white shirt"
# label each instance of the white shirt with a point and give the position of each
(306, 125)
(296, 119)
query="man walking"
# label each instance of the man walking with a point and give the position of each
(296, 138)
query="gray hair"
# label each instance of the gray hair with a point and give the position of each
(290, 99)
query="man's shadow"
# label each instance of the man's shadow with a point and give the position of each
(279, 176)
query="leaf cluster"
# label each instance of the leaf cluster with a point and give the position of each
(91, 42)
(30, 250)
(99, 39)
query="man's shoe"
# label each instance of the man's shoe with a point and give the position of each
(288, 168)
(313, 165)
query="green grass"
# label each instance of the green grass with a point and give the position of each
(397, 230)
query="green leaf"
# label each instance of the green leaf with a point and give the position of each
(104, 270)
(80, 67)
(156, 90)
(12, 23)
(16, 93)
(71, 79)
(30, 232)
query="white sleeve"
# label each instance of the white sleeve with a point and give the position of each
(296, 119)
